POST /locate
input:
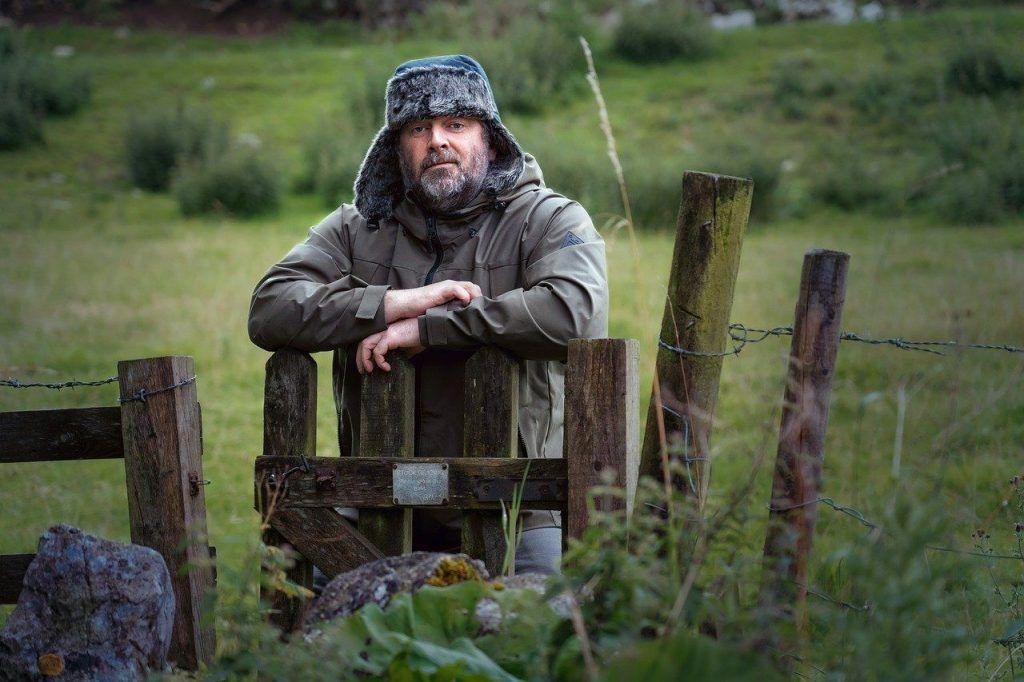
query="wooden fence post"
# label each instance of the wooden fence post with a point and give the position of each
(797, 481)
(289, 428)
(602, 428)
(387, 429)
(709, 234)
(491, 430)
(166, 502)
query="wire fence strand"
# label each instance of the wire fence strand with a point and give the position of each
(741, 335)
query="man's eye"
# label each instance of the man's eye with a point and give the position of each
(457, 125)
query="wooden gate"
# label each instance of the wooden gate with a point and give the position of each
(299, 493)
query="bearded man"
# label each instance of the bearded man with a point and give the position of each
(453, 242)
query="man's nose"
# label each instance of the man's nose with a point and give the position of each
(438, 138)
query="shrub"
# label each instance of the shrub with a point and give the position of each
(850, 182)
(981, 69)
(42, 85)
(242, 182)
(19, 125)
(661, 31)
(893, 96)
(159, 140)
(796, 80)
(764, 168)
(533, 64)
(982, 148)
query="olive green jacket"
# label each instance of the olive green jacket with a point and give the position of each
(534, 253)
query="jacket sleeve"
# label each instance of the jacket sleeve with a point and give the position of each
(564, 296)
(311, 301)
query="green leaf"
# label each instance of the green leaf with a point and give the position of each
(690, 657)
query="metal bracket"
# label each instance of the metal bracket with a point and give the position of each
(419, 483)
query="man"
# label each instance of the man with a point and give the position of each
(453, 242)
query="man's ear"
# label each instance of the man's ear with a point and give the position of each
(491, 153)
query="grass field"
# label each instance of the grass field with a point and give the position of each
(92, 271)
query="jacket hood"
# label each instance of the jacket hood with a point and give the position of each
(449, 85)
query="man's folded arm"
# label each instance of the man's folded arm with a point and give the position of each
(311, 301)
(565, 296)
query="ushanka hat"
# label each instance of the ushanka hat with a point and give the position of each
(448, 85)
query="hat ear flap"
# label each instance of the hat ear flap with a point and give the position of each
(379, 182)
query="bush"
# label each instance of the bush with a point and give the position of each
(661, 31)
(981, 69)
(893, 96)
(19, 125)
(982, 148)
(763, 168)
(241, 182)
(850, 182)
(532, 65)
(159, 140)
(42, 85)
(797, 80)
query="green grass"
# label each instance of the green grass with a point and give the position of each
(92, 272)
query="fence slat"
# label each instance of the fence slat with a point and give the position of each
(474, 484)
(12, 575)
(387, 429)
(55, 435)
(289, 428)
(491, 430)
(166, 502)
(324, 536)
(602, 428)
(797, 479)
(709, 235)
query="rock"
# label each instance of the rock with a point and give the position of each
(743, 18)
(379, 581)
(488, 612)
(90, 609)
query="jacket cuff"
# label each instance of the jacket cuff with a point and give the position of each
(372, 304)
(432, 326)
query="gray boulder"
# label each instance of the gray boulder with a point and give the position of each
(90, 609)
(379, 581)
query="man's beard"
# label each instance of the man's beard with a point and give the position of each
(448, 188)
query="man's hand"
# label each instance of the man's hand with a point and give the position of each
(373, 349)
(400, 304)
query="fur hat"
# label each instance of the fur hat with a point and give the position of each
(449, 85)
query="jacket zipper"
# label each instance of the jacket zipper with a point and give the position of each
(435, 244)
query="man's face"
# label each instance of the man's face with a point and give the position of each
(444, 160)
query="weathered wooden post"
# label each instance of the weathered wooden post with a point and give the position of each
(709, 234)
(289, 428)
(601, 424)
(491, 430)
(160, 429)
(797, 482)
(387, 429)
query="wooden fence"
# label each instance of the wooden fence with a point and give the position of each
(694, 341)
(298, 493)
(159, 435)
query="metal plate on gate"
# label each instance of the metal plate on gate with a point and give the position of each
(419, 483)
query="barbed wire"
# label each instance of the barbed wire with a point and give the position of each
(741, 335)
(139, 396)
(14, 383)
(859, 516)
(142, 394)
